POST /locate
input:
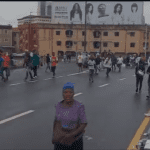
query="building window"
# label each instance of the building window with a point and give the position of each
(132, 33)
(69, 44)
(105, 33)
(69, 33)
(96, 34)
(58, 43)
(14, 42)
(116, 33)
(116, 44)
(57, 32)
(132, 44)
(147, 45)
(83, 33)
(96, 44)
(145, 35)
(5, 31)
(14, 34)
(105, 44)
(5, 40)
(34, 31)
(34, 41)
(83, 43)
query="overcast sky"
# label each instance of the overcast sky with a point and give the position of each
(11, 11)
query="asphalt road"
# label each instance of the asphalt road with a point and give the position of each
(114, 111)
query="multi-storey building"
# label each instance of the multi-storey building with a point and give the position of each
(59, 38)
(6, 38)
(15, 39)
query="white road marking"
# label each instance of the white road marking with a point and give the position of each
(15, 84)
(16, 116)
(122, 79)
(59, 77)
(48, 79)
(78, 94)
(73, 74)
(78, 73)
(103, 85)
(33, 81)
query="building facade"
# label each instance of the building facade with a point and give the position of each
(6, 38)
(15, 39)
(60, 38)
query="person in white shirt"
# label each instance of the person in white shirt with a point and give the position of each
(119, 62)
(148, 61)
(80, 60)
(107, 64)
(91, 64)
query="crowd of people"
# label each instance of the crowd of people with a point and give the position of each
(95, 62)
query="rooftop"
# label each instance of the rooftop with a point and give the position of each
(33, 16)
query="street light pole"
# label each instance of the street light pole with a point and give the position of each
(146, 42)
(85, 29)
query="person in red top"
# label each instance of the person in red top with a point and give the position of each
(54, 61)
(6, 64)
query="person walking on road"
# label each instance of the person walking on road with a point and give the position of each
(65, 57)
(28, 63)
(148, 61)
(54, 62)
(148, 72)
(80, 60)
(6, 65)
(44, 58)
(48, 63)
(69, 57)
(35, 59)
(139, 72)
(1, 67)
(119, 62)
(97, 61)
(91, 64)
(114, 62)
(68, 130)
(107, 64)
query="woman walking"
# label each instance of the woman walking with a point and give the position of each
(29, 65)
(107, 64)
(91, 64)
(68, 129)
(119, 62)
(139, 72)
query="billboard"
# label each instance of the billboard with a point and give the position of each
(98, 12)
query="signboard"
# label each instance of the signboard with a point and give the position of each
(98, 12)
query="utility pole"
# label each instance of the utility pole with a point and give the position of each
(85, 29)
(146, 42)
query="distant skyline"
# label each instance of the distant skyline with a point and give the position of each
(11, 11)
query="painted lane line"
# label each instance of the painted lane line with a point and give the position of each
(16, 116)
(78, 73)
(48, 79)
(122, 79)
(33, 81)
(78, 94)
(103, 85)
(73, 74)
(15, 84)
(59, 77)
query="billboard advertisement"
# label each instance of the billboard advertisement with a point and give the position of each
(98, 12)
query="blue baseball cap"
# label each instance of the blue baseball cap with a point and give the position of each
(68, 85)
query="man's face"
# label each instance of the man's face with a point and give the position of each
(102, 8)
